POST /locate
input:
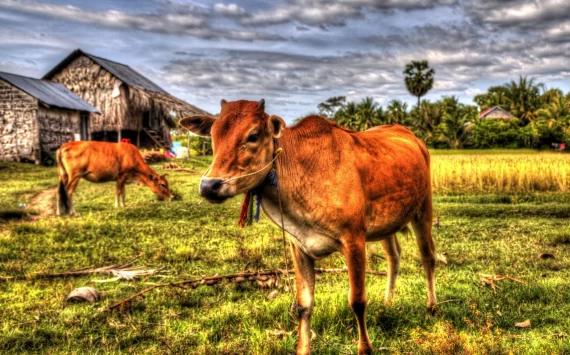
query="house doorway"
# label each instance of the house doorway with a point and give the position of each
(84, 126)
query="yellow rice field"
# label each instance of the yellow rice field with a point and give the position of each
(512, 173)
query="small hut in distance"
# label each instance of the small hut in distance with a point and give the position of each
(131, 105)
(495, 113)
(37, 117)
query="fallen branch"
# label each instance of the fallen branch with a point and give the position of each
(259, 276)
(124, 272)
(488, 279)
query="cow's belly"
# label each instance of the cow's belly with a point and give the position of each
(313, 242)
(100, 176)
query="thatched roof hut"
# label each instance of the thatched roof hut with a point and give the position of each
(132, 106)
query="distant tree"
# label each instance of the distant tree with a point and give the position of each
(495, 96)
(418, 78)
(329, 107)
(501, 134)
(369, 114)
(360, 116)
(524, 97)
(455, 126)
(347, 116)
(426, 119)
(556, 114)
(549, 96)
(397, 112)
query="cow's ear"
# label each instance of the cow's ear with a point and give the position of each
(199, 125)
(276, 125)
(151, 177)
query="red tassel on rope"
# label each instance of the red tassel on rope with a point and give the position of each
(244, 210)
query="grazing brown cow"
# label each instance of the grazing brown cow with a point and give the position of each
(103, 162)
(339, 190)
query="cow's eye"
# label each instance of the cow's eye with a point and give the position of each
(253, 138)
(163, 185)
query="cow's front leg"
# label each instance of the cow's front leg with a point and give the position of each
(355, 253)
(305, 282)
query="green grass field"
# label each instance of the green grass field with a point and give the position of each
(487, 233)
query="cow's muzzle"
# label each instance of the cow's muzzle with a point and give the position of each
(212, 189)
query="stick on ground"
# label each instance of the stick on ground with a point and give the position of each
(238, 277)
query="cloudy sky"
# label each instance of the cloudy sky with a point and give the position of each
(296, 53)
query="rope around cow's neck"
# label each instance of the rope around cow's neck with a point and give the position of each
(277, 152)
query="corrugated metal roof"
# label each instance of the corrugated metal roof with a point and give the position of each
(121, 71)
(52, 94)
(126, 74)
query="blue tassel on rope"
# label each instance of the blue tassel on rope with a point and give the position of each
(258, 197)
(272, 176)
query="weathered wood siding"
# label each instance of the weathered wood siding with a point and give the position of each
(100, 89)
(19, 136)
(497, 114)
(57, 126)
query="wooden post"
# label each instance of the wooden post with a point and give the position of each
(139, 138)
(119, 134)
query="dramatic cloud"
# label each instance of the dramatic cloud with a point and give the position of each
(332, 13)
(230, 10)
(520, 14)
(183, 23)
(297, 53)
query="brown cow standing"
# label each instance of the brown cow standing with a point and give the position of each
(339, 190)
(103, 162)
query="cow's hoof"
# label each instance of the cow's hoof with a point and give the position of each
(433, 310)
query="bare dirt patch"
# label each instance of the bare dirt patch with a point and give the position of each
(44, 203)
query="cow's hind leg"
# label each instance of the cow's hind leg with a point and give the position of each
(71, 186)
(305, 283)
(392, 250)
(120, 192)
(422, 224)
(355, 253)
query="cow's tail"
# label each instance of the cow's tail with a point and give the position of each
(63, 203)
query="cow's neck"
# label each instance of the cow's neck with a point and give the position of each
(297, 210)
(289, 170)
(142, 174)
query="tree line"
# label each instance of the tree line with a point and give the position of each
(542, 116)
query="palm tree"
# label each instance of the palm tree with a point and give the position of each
(455, 125)
(426, 118)
(397, 112)
(360, 116)
(347, 116)
(549, 96)
(557, 111)
(495, 96)
(369, 114)
(524, 97)
(418, 78)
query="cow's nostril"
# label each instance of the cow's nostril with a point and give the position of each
(216, 185)
(210, 188)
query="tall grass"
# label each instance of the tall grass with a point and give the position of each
(501, 173)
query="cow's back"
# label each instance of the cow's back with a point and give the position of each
(99, 161)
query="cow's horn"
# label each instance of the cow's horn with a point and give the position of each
(223, 102)
(261, 104)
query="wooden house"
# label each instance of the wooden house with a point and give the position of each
(495, 113)
(37, 117)
(132, 107)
